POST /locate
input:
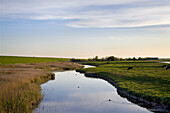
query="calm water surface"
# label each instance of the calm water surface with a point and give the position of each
(72, 92)
(166, 62)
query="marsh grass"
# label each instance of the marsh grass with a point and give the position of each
(19, 88)
(20, 84)
(147, 79)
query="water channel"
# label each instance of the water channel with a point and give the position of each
(72, 92)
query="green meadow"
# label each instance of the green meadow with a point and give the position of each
(147, 79)
(16, 59)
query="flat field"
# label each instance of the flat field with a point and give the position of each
(15, 59)
(147, 79)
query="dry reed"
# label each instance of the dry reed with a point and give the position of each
(20, 84)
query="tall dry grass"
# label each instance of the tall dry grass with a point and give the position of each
(20, 84)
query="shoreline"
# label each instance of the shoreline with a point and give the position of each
(151, 106)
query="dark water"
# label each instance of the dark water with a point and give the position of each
(72, 92)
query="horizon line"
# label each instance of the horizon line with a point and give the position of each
(79, 57)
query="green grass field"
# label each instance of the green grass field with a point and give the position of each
(15, 59)
(147, 79)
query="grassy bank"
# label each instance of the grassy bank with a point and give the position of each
(20, 83)
(147, 79)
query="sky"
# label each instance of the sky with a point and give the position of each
(85, 28)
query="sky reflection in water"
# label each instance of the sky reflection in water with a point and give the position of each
(72, 92)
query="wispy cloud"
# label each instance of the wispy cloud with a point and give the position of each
(95, 13)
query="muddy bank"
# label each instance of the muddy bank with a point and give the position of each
(152, 106)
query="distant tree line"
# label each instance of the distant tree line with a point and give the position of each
(78, 60)
(113, 58)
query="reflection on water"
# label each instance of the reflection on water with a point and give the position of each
(88, 66)
(72, 92)
(168, 62)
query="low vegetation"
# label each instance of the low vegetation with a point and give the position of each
(113, 58)
(16, 59)
(146, 79)
(20, 83)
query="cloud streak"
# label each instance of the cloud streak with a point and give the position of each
(90, 14)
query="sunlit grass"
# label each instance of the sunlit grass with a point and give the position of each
(147, 79)
(15, 59)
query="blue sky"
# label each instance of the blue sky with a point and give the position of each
(77, 28)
